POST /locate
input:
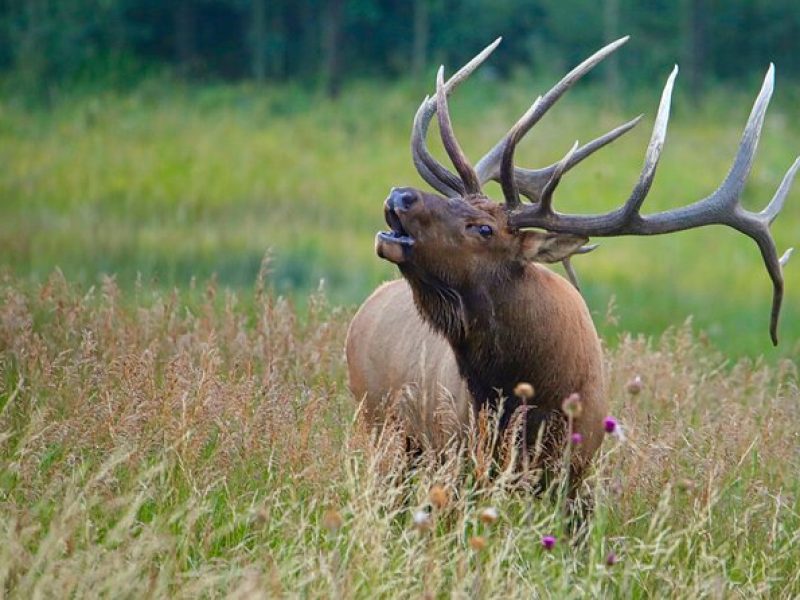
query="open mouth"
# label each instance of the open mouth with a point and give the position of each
(397, 233)
(394, 245)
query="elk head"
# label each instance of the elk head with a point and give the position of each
(461, 239)
(464, 241)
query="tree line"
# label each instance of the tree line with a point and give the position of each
(50, 44)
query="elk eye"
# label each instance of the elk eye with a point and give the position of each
(485, 230)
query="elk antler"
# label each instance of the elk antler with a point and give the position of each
(722, 207)
(433, 172)
(454, 151)
(532, 182)
(488, 168)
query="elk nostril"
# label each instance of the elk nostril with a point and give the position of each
(402, 198)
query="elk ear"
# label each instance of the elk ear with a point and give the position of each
(546, 247)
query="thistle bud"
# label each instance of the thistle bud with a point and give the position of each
(572, 406)
(548, 542)
(489, 515)
(422, 520)
(332, 520)
(613, 428)
(524, 390)
(477, 543)
(438, 497)
(634, 386)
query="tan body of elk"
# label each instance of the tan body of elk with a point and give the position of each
(475, 309)
(395, 357)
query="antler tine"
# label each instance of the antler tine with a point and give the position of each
(759, 223)
(431, 170)
(454, 151)
(434, 173)
(607, 224)
(785, 257)
(488, 165)
(507, 180)
(611, 223)
(546, 202)
(654, 148)
(722, 207)
(770, 213)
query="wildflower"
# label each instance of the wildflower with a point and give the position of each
(548, 542)
(572, 406)
(576, 439)
(611, 559)
(332, 520)
(612, 427)
(610, 424)
(524, 391)
(634, 386)
(438, 497)
(422, 520)
(489, 515)
(477, 543)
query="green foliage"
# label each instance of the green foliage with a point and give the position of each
(46, 45)
(172, 186)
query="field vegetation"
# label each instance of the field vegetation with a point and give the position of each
(174, 417)
(170, 186)
(166, 444)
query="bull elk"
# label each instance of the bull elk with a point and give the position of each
(475, 314)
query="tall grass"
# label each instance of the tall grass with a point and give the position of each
(180, 183)
(178, 444)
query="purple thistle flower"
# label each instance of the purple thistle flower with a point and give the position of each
(610, 424)
(576, 438)
(611, 559)
(548, 541)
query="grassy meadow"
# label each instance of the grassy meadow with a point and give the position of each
(169, 185)
(165, 445)
(174, 418)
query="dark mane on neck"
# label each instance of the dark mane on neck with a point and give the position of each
(440, 305)
(468, 319)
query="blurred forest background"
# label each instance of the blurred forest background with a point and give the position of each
(48, 44)
(172, 142)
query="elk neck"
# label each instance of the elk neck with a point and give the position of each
(503, 331)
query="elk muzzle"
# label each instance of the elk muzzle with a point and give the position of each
(395, 245)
